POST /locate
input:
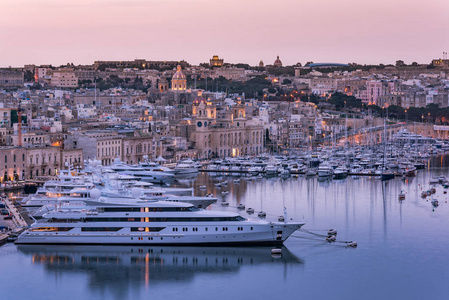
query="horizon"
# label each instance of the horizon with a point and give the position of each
(370, 32)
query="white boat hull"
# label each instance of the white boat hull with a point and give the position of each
(226, 233)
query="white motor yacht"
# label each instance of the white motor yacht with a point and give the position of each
(186, 167)
(325, 170)
(139, 222)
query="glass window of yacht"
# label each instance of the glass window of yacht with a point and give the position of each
(51, 229)
(101, 228)
(147, 229)
(163, 219)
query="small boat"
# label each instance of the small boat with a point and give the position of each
(224, 203)
(250, 210)
(442, 179)
(332, 232)
(218, 185)
(424, 195)
(202, 187)
(262, 214)
(434, 180)
(281, 219)
(224, 192)
(237, 181)
(352, 244)
(387, 175)
(285, 173)
(402, 195)
(311, 172)
(241, 206)
(331, 238)
(435, 202)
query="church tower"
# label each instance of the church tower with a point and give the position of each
(179, 81)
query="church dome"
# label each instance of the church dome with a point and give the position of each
(278, 62)
(179, 74)
(199, 99)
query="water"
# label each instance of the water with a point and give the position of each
(402, 250)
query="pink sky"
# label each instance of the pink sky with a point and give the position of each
(363, 31)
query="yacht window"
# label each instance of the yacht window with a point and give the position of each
(101, 228)
(52, 229)
(147, 229)
(168, 219)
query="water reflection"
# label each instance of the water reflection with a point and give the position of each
(121, 268)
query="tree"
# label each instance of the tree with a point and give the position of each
(28, 76)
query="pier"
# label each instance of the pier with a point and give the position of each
(291, 173)
(18, 220)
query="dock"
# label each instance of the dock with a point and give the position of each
(3, 238)
(17, 218)
(11, 186)
(243, 172)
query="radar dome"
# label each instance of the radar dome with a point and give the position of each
(95, 193)
(136, 192)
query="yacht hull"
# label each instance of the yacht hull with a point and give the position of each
(223, 234)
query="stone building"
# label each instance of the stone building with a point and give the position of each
(179, 81)
(31, 163)
(216, 61)
(106, 146)
(135, 148)
(11, 79)
(12, 163)
(277, 62)
(231, 134)
(64, 78)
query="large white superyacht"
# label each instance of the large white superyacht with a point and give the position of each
(146, 222)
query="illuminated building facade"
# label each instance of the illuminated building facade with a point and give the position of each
(179, 81)
(230, 134)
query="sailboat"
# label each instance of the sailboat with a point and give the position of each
(386, 174)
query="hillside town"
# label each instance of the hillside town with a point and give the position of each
(52, 117)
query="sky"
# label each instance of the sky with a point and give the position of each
(343, 31)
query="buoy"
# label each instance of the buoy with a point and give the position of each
(276, 251)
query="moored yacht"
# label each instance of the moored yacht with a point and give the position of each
(140, 222)
(186, 167)
(324, 170)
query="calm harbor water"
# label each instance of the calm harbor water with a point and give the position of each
(402, 249)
